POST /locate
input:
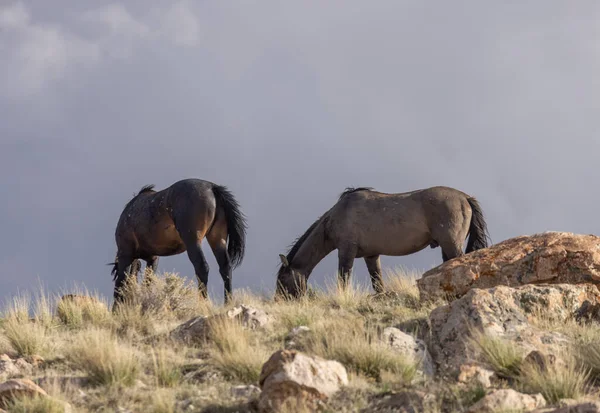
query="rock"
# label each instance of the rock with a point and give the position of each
(573, 406)
(550, 257)
(406, 401)
(19, 388)
(293, 341)
(473, 373)
(413, 349)
(193, 331)
(245, 392)
(504, 312)
(299, 379)
(197, 329)
(23, 366)
(250, 317)
(507, 399)
(8, 368)
(35, 360)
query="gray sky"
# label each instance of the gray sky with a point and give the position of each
(287, 103)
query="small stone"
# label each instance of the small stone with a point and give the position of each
(245, 392)
(507, 399)
(472, 373)
(302, 379)
(412, 348)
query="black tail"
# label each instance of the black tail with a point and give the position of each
(478, 232)
(115, 265)
(236, 224)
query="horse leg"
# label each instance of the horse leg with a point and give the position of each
(217, 239)
(451, 250)
(346, 256)
(151, 265)
(124, 268)
(374, 267)
(196, 256)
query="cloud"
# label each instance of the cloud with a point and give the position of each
(181, 25)
(34, 54)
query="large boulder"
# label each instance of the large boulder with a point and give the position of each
(505, 313)
(550, 258)
(508, 399)
(293, 379)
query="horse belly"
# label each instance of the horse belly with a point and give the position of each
(164, 241)
(396, 241)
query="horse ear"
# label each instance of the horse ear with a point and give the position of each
(284, 260)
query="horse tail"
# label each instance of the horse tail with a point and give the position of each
(236, 224)
(115, 266)
(478, 232)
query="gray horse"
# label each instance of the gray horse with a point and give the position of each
(175, 220)
(366, 224)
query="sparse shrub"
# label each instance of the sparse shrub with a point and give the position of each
(165, 297)
(81, 311)
(105, 360)
(503, 356)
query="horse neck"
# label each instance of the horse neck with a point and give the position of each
(312, 251)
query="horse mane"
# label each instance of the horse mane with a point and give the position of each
(351, 190)
(146, 188)
(297, 243)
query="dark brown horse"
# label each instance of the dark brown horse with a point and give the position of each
(366, 224)
(175, 220)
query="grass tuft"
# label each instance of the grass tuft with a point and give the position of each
(560, 380)
(26, 338)
(105, 360)
(504, 357)
(36, 404)
(236, 352)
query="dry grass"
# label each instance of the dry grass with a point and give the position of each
(104, 359)
(84, 310)
(36, 405)
(503, 356)
(236, 352)
(568, 380)
(359, 349)
(26, 338)
(166, 367)
(589, 356)
(118, 351)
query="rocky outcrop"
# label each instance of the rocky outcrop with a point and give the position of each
(507, 400)
(413, 349)
(550, 257)
(293, 379)
(504, 313)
